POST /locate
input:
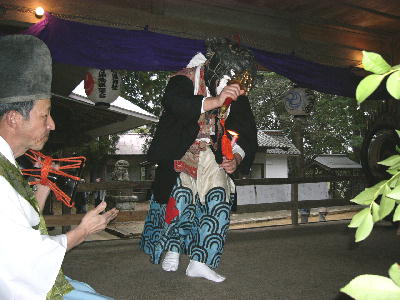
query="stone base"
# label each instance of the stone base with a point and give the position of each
(125, 206)
(123, 202)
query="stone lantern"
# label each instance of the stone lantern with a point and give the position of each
(122, 199)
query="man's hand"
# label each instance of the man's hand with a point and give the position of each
(232, 91)
(94, 221)
(230, 166)
(43, 191)
(41, 195)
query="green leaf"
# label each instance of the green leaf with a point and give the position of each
(394, 273)
(372, 287)
(369, 194)
(398, 132)
(375, 212)
(396, 67)
(358, 218)
(375, 63)
(365, 228)
(393, 85)
(390, 161)
(395, 167)
(395, 193)
(367, 86)
(393, 181)
(386, 207)
(396, 215)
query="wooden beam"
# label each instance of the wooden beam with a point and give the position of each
(123, 216)
(262, 207)
(134, 216)
(115, 185)
(274, 181)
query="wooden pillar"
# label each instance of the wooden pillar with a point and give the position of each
(299, 124)
(65, 211)
(295, 203)
(298, 135)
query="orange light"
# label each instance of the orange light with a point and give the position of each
(39, 12)
(233, 133)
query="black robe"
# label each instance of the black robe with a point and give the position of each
(178, 128)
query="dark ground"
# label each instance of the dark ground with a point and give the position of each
(307, 262)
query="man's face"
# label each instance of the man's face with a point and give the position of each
(35, 131)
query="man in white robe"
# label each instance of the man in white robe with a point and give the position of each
(30, 261)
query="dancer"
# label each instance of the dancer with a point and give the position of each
(193, 192)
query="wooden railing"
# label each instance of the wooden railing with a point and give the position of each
(293, 205)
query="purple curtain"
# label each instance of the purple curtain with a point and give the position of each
(141, 50)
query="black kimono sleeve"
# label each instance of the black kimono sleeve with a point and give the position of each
(241, 120)
(176, 131)
(178, 126)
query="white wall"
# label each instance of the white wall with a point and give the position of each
(276, 166)
(257, 194)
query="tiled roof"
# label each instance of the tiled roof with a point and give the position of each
(336, 161)
(276, 142)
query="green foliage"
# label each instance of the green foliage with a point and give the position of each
(145, 89)
(336, 124)
(371, 287)
(389, 194)
(367, 86)
(393, 86)
(374, 63)
(345, 124)
(96, 151)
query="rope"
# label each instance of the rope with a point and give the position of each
(46, 164)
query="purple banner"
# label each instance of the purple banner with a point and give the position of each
(141, 50)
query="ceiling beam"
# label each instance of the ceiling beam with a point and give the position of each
(312, 38)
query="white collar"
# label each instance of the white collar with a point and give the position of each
(6, 150)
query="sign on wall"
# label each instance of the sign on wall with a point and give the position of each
(298, 102)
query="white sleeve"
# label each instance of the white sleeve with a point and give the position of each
(29, 261)
(61, 239)
(237, 149)
(202, 105)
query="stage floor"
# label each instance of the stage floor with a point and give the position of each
(310, 262)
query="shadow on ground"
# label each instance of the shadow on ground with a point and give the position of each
(308, 262)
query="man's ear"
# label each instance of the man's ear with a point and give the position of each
(12, 118)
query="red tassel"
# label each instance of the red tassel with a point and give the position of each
(226, 147)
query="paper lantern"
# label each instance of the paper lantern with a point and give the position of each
(102, 86)
(298, 102)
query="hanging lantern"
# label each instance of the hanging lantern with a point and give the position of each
(102, 86)
(299, 101)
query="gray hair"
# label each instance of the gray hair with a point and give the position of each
(24, 108)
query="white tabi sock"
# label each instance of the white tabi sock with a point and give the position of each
(198, 269)
(170, 262)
